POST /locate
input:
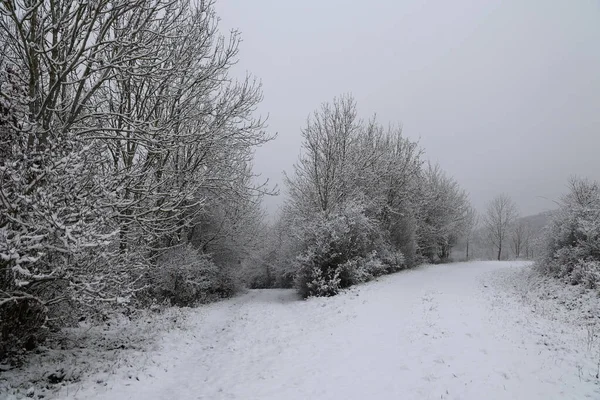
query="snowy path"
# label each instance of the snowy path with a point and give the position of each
(439, 332)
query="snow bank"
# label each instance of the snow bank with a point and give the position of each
(118, 349)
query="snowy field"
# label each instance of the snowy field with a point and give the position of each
(480, 330)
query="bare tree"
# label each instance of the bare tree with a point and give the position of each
(472, 222)
(520, 238)
(529, 243)
(500, 214)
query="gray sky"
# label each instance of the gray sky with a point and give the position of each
(505, 95)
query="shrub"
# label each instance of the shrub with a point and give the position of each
(339, 252)
(572, 240)
(393, 260)
(314, 279)
(22, 325)
(186, 277)
(586, 273)
(355, 271)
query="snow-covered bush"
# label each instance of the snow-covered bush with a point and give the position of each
(393, 260)
(356, 270)
(328, 278)
(316, 277)
(363, 269)
(22, 325)
(572, 240)
(51, 217)
(336, 246)
(185, 277)
(587, 273)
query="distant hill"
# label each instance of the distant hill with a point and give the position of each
(537, 222)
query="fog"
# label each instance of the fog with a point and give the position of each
(504, 95)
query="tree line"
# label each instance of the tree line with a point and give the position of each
(361, 201)
(125, 144)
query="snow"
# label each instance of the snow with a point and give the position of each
(455, 331)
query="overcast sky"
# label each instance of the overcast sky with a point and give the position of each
(505, 95)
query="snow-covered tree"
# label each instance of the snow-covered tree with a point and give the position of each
(361, 171)
(55, 230)
(121, 130)
(444, 214)
(179, 130)
(393, 185)
(572, 240)
(321, 179)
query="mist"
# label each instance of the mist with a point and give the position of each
(504, 95)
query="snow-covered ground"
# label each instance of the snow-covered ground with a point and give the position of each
(480, 330)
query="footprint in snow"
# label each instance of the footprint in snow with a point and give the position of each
(430, 378)
(504, 375)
